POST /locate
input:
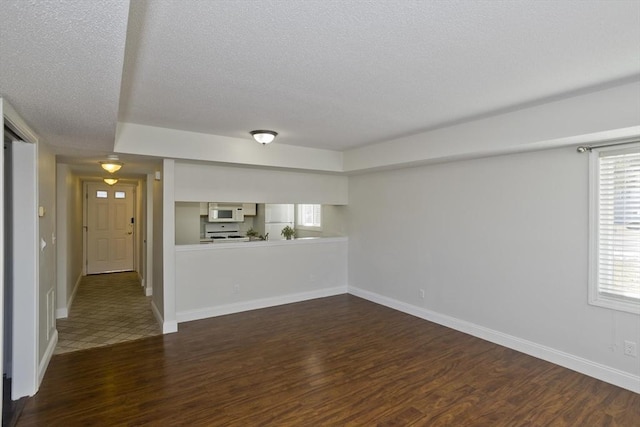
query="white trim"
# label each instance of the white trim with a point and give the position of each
(594, 182)
(85, 226)
(298, 218)
(167, 327)
(46, 358)
(121, 185)
(170, 327)
(308, 228)
(575, 363)
(156, 313)
(595, 297)
(63, 313)
(203, 313)
(168, 247)
(3, 360)
(26, 256)
(74, 292)
(148, 237)
(17, 124)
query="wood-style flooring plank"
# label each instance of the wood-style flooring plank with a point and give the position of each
(331, 361)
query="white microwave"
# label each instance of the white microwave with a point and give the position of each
(225, 213)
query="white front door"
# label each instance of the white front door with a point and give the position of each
(109, 227)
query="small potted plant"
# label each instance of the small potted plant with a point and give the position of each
(252, 234)
(288, 232)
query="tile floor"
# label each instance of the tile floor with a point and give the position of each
(108, 309)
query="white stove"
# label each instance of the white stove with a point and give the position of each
(223, 233)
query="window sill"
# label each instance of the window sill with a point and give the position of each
(308, 228)
(615, 304)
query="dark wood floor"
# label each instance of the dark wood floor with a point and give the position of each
(331, 361)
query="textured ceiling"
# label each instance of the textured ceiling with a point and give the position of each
(61, 68)
(327, 74)
(338, 74)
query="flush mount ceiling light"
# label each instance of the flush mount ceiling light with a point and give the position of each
(110, 181)
(113, 165)
(264, 137)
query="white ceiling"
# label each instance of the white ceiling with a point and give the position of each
(61, 68)
(326, 74)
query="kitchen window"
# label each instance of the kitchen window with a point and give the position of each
(614, 249)
(310, 216)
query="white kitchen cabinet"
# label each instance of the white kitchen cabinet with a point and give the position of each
(249, 209)
(204, 208)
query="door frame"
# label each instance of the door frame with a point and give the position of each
(85, 227)
(25, 364)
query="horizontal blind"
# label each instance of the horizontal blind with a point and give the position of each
(619, 225)
(310, 215)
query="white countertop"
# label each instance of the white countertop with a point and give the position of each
(258, 243)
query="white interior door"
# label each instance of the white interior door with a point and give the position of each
(110, 227)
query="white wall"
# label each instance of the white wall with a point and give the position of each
(499, 245)
(196, 182)
(610, 113)
(69, 238)
(47, 262)
(26, 253)
(178, 144)
(2, 254)
(158, 250)
(148, 234)
(187, 223)
(27, 367)
(139, 237)
(213, 280)
(167, 239)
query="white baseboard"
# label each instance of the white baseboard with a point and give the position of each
(203, 313)
(48, 354)
(575, 363)
(148, 291)
(63, 313)
(168, 327)
(156, 313)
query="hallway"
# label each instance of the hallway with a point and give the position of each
(108, 309)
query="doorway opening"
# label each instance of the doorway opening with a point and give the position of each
(110, 305)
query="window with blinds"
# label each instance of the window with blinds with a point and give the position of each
(310, 216)
(615, 228)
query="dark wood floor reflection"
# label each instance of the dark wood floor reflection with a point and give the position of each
(331, 361)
